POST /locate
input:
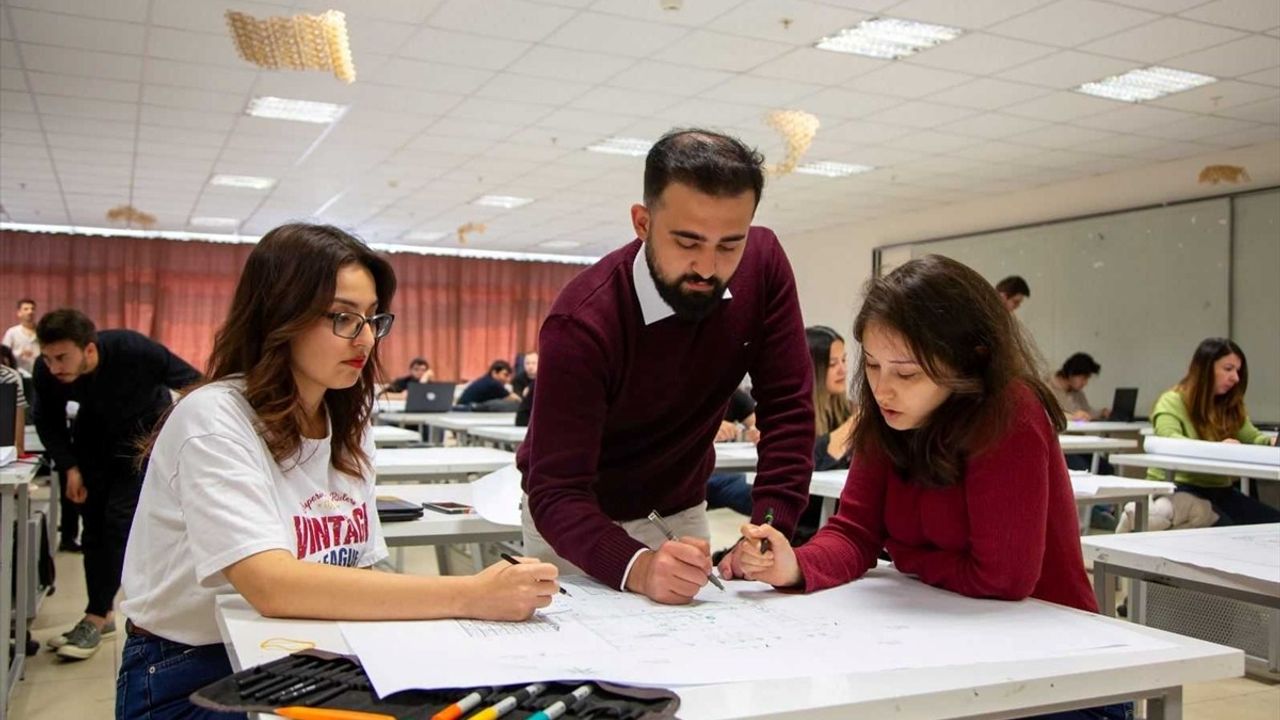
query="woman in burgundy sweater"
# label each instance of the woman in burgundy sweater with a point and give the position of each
(957, 471)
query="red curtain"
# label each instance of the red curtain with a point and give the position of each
(459, 313)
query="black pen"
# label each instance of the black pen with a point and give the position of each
(764, 542)
(657, 520)
(514, 561)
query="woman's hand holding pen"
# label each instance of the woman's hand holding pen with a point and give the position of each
(512, 592)
(777, 565)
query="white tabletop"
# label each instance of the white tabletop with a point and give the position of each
(31, 440)
(449, 420)
(1104, 427)
(830, 483)
(1093, 443)
(419, 464)
(19, 472)
(509, 434)
(1198, 465)
(951, 692)
(1239, 557)
(736, 456)
(436, 528)
(392, 436)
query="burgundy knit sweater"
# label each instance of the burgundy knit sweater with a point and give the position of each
(625, 413)
(1007, 531)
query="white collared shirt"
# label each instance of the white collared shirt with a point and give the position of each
(652, 306)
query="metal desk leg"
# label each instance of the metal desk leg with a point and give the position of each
(22, 609)
(1104, 589)
(1167, 706)
(1141, 513)
(1095, 463)
(828, 509)
(6, 588)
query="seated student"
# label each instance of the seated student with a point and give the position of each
(9, 375)
(730, 489)
(522, 376)
(833, 413)
(260, 482)
(526, 391)
(1068, 384)
(490, 392)
(1014, 291)
(955, 428)
(1208, 404)
(419, 372)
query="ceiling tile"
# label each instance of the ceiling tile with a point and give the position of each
(72, 86)
(967, 14)
(178, 117)
(988, 94)
(1270, 76)
(207, 17)
(1059, 136)
(1068, 69)
(1160, 40)
(1250, 15)
(519, 88)
(1131, 118)
(596, 32)
(664, 77)
(1241, 57)
(836, 103)
(717, 51)
(1267, 111)
(58, 124)
(1160, 6)
(84, 108)
(451, 48)
(812, 65)
(1197, 127)
(920, 114)
(68, 61)
(704, 113)
(930, 141)
(1068, 23)
(189, 99)
(511, 19)
(585, 121)
(992, 125)
(981, 54)
(1217, 97)
(795, 22)
(610, 99)
(206, 77)
(561, 64)
(1061, 107)
(761, 91)
(487, 109)
(432, 77)
(381, 97)
(194, 47)
(692, 14)
(77, 32)
(908, 81)
(134, 11)
(1258, 135)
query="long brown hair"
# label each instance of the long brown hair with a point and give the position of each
(287, 284)
(830, 410)
(956, 327)
(1215, 417)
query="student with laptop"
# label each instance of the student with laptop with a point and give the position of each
(429, 397)
(419, 372)
(261, 481)
(1208, 404)
(491, 393)
(955, 428)
(1068, 383)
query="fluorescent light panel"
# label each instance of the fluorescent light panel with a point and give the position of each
(425, 236)
(249, 182)
(309, 111)
(888, 38)
(559, 244)
(635, 147)
(222, 222)
(832, 169)
(501, 201)
(1145, 84)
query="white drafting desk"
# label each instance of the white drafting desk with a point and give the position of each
(1181, 463)
(1117, 556)
(1105, 427)
(434, 464)
(392, 436)
(985, 690)
(505, 437)
(440, 529)
(15, 508)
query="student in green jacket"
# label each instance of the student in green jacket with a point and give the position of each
(1208, 404)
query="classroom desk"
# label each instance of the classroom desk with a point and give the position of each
(504, 437)
(1089, 490)
(436, 464)
(982, 690)
(730, 456)
(392, 436)
(1117, 556)
(458, 422)
(1249, 471)
(1096, 445)
(15, 508)
(1105, 427)
(440, 529)
(31, 440)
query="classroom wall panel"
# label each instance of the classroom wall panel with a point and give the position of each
(1255, 297)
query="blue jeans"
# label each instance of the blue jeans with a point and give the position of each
(157, 675)
(1119, 711)
(729, 490)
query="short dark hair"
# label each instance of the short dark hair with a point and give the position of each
(25, 301)
(710, 162)
(7, 357)
(1014, 285)
(499, 366)
(419, 361)
(66, 324)
(1080, 364)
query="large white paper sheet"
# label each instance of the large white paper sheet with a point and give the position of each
(496, 496)
(751, 632)
(1229, 452)
(1249, 551)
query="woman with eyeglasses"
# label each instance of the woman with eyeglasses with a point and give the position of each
(261, 481)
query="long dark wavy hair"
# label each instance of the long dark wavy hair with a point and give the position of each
(957, 328)
(1216, 417)
(287, 285)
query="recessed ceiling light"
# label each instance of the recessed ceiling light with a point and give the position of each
(501, 201)
(310, 111)
(634, 147)
(222, 222)
(888, 38)
(832, 169)
(559, 244)
(1145, 84)
(425, 236)
(243, 181)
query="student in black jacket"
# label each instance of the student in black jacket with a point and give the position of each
(121, 380)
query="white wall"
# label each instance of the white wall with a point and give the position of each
(831, 265)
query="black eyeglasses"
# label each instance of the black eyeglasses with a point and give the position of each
(348, 325)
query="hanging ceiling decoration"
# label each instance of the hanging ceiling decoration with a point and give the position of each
(300, 42)
(131, 217)
(797, 128)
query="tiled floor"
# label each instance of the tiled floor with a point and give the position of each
(54, 690)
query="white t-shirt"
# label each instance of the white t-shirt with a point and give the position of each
(25, 347)
(213, 495)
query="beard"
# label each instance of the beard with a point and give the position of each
(690, 306)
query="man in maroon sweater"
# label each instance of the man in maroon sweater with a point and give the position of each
(639, 357)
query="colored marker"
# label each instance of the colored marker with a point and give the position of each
(656, 519)
(514, 561)
(455, 711)
(558, 708)
(315, 713)
(509, 703)
(768, 520)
